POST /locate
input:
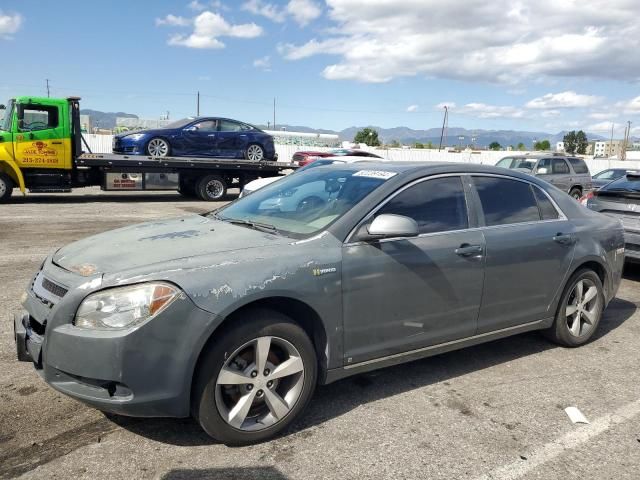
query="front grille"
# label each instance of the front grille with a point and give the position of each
(57, 290)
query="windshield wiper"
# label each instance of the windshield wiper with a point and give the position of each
(263, 227)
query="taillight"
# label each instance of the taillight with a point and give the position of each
(585, 198)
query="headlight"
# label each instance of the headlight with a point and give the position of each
(124, 307)
(135, 136)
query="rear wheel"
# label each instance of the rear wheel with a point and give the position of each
(254, 153)
(255, 380)
(158, 147)
(211, 188)
(6, 187)
(579, 311)
(576, 193)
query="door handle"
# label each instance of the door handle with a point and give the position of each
(563, 239)
(466, 250)
(211, 135)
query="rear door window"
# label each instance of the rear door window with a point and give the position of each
(560, 166)
(229, 126)
(505, 201)
(547, 210)
(437, 205)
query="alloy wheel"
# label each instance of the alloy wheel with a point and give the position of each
(583, 307)
(3, 187)
(259, 384)
(255, 153)
(158, 148)
(214, 189)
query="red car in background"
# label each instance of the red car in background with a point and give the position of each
(306, 157)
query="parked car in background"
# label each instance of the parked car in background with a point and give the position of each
(570, 174)
(305, 157)
(620, 199)
(263, 182)
(235, 316)
(199, 137)
(602, 178)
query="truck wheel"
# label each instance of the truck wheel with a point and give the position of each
(255, 379)
(254, 153)
(6, 187)
(211, 188)
(158, 147)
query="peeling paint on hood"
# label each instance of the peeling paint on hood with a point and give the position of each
(156, 242)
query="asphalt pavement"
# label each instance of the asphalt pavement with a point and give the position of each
(495, 411)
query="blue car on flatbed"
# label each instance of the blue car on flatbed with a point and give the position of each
(199, 137)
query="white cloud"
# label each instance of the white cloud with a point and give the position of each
(482, 110)
(196, 6)
(208, 27)
(602, 115)
(550, 113)
(263, 63)
(604, 127)
(412, 108)
(498, 41)
(173, 21)
(568, 99)
(630, 107)
(302, 11)
(9, 24)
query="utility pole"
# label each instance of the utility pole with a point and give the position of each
(274, 113)
(48, 93)
(627, 133)
(198, 106)
(611, 142)
(444, 123)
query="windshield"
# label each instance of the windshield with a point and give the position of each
(514, 163)
(5, 117)
(303, 204)
(179, 123)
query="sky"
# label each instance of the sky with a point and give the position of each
(536, 65)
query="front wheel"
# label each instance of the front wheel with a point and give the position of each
(579, 310)
(6, 187)
(158, 147)
(255, 380)
(254, 153)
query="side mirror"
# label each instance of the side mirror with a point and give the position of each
(389, 226)
(190, 129)
(543, 171)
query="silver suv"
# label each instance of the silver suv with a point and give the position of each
(570, 174)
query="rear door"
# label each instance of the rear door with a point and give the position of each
(400, 294)
(40, 140)
(529, 248)
(232, 139)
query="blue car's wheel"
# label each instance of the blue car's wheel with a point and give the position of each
(158, 147)
(254, 153)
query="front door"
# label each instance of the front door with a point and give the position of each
(529, 248)
(406, 293)
(40, 140)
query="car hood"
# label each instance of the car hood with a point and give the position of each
(156, 242)
(144, 132)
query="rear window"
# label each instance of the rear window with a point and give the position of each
(578, 165)
(506, 201)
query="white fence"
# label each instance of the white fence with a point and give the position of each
(102, 144)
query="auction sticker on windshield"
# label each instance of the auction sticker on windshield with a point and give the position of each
(375, 174)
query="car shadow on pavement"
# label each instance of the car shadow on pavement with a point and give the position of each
(339, 398)
(241, 473)
(141, 197)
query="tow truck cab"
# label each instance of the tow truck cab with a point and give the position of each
(39, 139)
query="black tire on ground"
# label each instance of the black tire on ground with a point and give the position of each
(254, 152)
(561, 330)
(6, 187)
(576, 193)
(211, 188)
(254, 324)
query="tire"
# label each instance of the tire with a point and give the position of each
(576, 193)
(213, 402)
(6, 187)
(211, 188)
(254, 153)
(158, 147)
(564, 330)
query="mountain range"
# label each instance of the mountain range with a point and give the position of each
(404, 135)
